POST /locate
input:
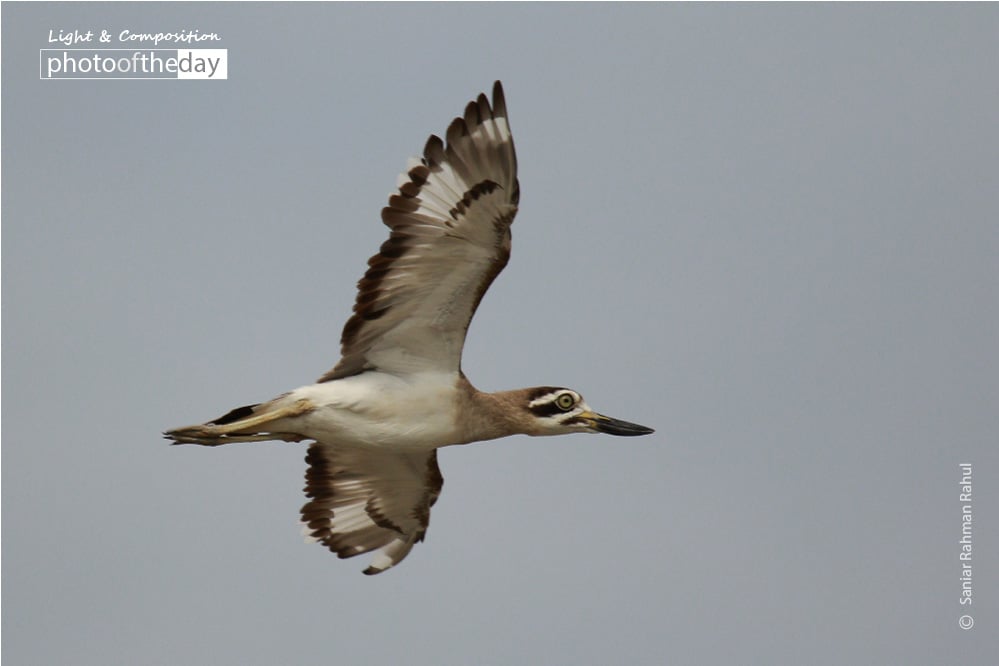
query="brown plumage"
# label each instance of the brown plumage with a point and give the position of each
(398, 393)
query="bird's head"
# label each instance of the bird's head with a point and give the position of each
(551, 410)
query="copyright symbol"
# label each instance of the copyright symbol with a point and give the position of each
(966, 622)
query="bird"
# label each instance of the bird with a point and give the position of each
(398, 392)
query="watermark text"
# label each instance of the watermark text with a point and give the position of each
(966, 546)
(133, 64)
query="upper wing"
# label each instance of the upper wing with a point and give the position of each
(363, 499)
(450, 238)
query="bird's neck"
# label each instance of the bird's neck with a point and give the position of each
(490, 415)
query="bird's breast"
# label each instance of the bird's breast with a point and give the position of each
(378, 410)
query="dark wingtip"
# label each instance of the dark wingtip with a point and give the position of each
(499, 100)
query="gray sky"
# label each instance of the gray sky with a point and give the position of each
(770, 232)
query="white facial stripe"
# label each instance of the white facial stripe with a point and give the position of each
(546, 398)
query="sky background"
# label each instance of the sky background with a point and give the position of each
(770, 232)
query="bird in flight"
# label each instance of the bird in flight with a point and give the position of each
(398, 392)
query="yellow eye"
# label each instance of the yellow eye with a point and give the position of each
(565, 402)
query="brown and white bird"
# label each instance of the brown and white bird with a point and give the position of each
(398, 392)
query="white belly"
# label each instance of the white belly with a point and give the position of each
(378, 410)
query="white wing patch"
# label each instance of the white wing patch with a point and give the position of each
(450, 237)
(368, 499)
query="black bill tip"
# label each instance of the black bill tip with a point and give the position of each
(618, 427)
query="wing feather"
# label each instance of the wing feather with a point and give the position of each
(450, 237)
(367, 499)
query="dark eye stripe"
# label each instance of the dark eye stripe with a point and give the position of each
(546, 409)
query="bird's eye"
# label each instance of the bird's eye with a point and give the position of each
(565, 402)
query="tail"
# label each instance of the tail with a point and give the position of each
(243, 424)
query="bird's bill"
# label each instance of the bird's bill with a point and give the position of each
(606, 424)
